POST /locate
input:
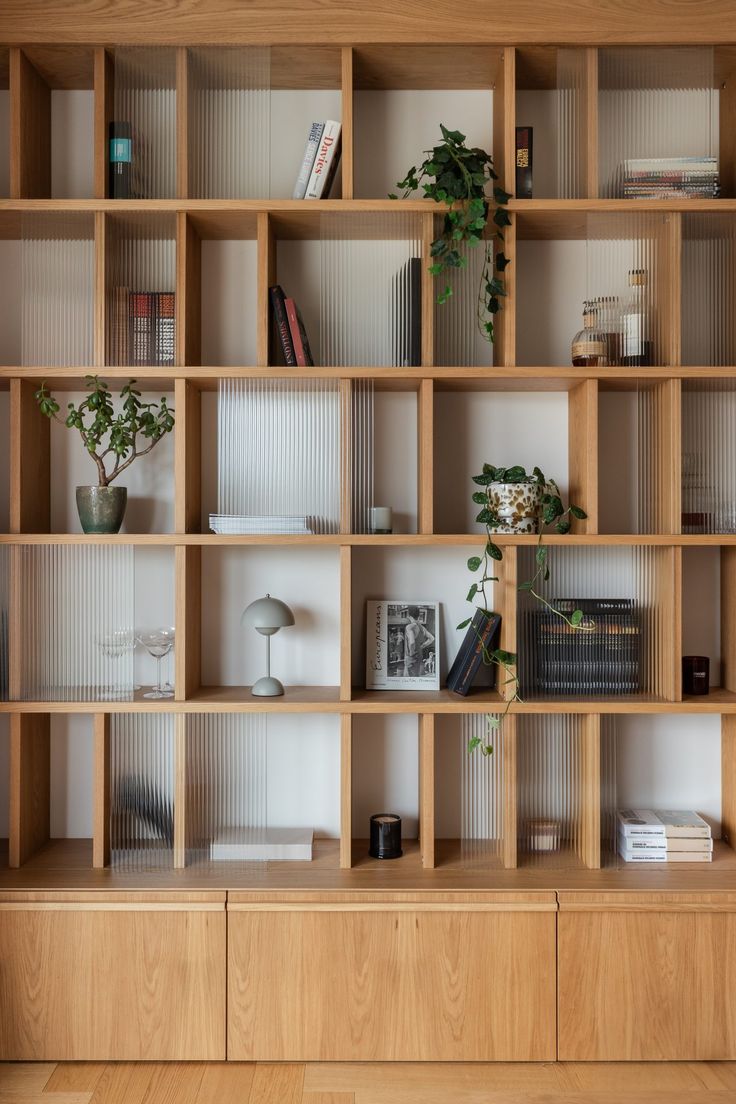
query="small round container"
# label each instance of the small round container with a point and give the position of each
(543, 834)
(695, 674)
(385, 836)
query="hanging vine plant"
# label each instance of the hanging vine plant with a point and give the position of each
(465, 181)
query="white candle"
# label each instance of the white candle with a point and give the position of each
(381, 519)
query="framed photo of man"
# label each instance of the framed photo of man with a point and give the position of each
(402, 645)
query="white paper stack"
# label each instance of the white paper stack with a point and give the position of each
(663, 835)
(262, 845)
(261, 524)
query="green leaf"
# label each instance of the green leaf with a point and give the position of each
(541, 554)
(494, 551)
(464, 624)
(472, 592)
(474, 563)
(527, 585)
(479, 498)
(578, 513)
(576, 618)
(473, 743)
(563, 526)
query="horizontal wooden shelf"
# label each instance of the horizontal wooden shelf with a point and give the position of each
(378, 540)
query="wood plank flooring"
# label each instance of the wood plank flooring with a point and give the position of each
(367, 1083)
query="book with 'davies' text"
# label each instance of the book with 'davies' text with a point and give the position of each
(325, 162)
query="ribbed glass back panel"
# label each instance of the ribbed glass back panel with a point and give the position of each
(226, 775)
(229, 122)
(609, 787)
(140, 290)
(549, 788)
(141, 789)
(482, 793)
(57, 273)
(653, 420)
(617, 244)
(145, 97)
(368, 288)
(625, 654)
(4, 620)
(76, 606)
(571, 135)
(709, 457)
(654, 102)
(362, 458)
(458, 340)
(708, 289)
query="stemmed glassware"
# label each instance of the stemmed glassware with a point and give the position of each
(115, 645)
(168, 685)
(158, 643)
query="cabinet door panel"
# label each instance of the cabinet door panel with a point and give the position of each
(121, 984)
(380, 985)
(647, 986)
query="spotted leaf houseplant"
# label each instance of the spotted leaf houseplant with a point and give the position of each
(113, 440)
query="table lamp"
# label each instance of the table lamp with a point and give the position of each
(267, 615)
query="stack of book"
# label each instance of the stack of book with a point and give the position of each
(601, 658)
(320, 161)
(143, 330)
(480, 640)
(289, 326)
(671, 178)
(261, 524)
(663, 835)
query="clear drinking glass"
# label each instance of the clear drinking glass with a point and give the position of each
(158, 643)
(116, 645)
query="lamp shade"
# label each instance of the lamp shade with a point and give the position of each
(267, 615)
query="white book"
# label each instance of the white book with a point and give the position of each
(262, 845)
(665, 843)
(325, 162)
(662, 822)
(665, 856)
(310, 152)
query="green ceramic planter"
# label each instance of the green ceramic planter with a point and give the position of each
(101, 509)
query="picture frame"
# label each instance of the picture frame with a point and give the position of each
(402, 645)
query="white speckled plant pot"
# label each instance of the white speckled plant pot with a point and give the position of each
(518, 506)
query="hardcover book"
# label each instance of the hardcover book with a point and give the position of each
(481, 637)
(325, 162)
(665, 843)
(299, 338)
(402, 646)
(524, 157)
(310, 152)
(281, 322)
(662, 822)
(406, 308)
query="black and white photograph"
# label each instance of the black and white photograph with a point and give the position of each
(402, 645)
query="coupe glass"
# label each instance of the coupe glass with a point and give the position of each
(158, 643)
(168, 685)
(115, 645)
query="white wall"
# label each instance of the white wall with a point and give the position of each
(229, 301)
(385, 772)
(303, 768)
(72, 144)
(72, 766)
(551, 287)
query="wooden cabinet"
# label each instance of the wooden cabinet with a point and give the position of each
(406, 981)
(112, 979)
(647, 977)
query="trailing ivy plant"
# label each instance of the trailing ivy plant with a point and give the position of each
(552, 513)
(464, 180)
(107, 434)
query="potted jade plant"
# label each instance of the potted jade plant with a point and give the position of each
(113, 440)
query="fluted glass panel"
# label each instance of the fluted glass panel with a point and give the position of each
(140, 290)
(571, 122)
(654, 103)
(370, 304)
(4, 620)
(141, 789)
(549, 788)
(361, 473)
(609, 788)
(76, 613)
(482, 793)
(229, 104)
(57, 274)
(708, 289)
(623, 596)
(145, 99)
(458, 339)
(709, 457)
(226, 784)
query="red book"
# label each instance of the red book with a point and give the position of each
(299, 338)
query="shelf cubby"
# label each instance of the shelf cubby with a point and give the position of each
(707, 482)
(385, 774)
(701, 607)
(708, 288)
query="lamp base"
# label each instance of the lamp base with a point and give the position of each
(267, 687)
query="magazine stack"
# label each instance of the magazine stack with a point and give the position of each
(663, 836)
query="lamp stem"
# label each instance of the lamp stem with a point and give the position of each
(268, 657)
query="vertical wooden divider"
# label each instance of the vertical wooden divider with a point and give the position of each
(429, 291)
(346, 456)
(100, 292)
(728, 618)
(668, 631)
(510, 736)
(30, 130)
(346, 619)
(668, 466)
(589, 121)
(346, 791)
(188, 620)
(582, 422)
(728, 778)
(101, 800)
(669, 290)
(425, 457)
(30, 503)
(590, 791)
(29, 785)
(182, 122)
(265, 278)
(104, 113)
(188, 292)
(506, 605)
(426, 789)
(504, 158)
(725, 59)
(187, 457)
(180, 790)
(348, 131)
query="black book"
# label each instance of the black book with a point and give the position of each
(407, 315)
(281, 321)
(481, 636)
(524, 157)
(121, 160)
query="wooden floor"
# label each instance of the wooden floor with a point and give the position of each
(193, 1083)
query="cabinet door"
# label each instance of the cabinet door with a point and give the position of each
(422, 984)
(112, 982)
(653, 985)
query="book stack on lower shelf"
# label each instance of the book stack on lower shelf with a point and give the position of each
(663, 836)
(143, 327)
(671, 178)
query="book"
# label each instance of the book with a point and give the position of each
(402, 645)
(407, 315)
(671, 178)
(164, 337)
(121, 160)
(524, 162)
(299, 338)
(239, 524)
(662, 822)
(325, 162)
(605, 659)
(310, 152)
(151, 329)
(665, 856)
(482, 634)
(665, 843)
(281, 321)
(262, 845)
(141, 327)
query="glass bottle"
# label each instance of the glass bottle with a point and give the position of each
(610, 324)
(590, 345)
(636, 348)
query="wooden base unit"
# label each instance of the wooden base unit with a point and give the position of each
(647, 978)
(113, 980)
(413, 981)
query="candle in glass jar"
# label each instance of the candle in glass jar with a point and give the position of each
(381, 519)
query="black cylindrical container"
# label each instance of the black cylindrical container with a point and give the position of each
(695, 674)
(385, 836)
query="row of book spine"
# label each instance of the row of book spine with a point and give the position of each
(481, 639)
(143, 327)
(320, 161)
(290, 329)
